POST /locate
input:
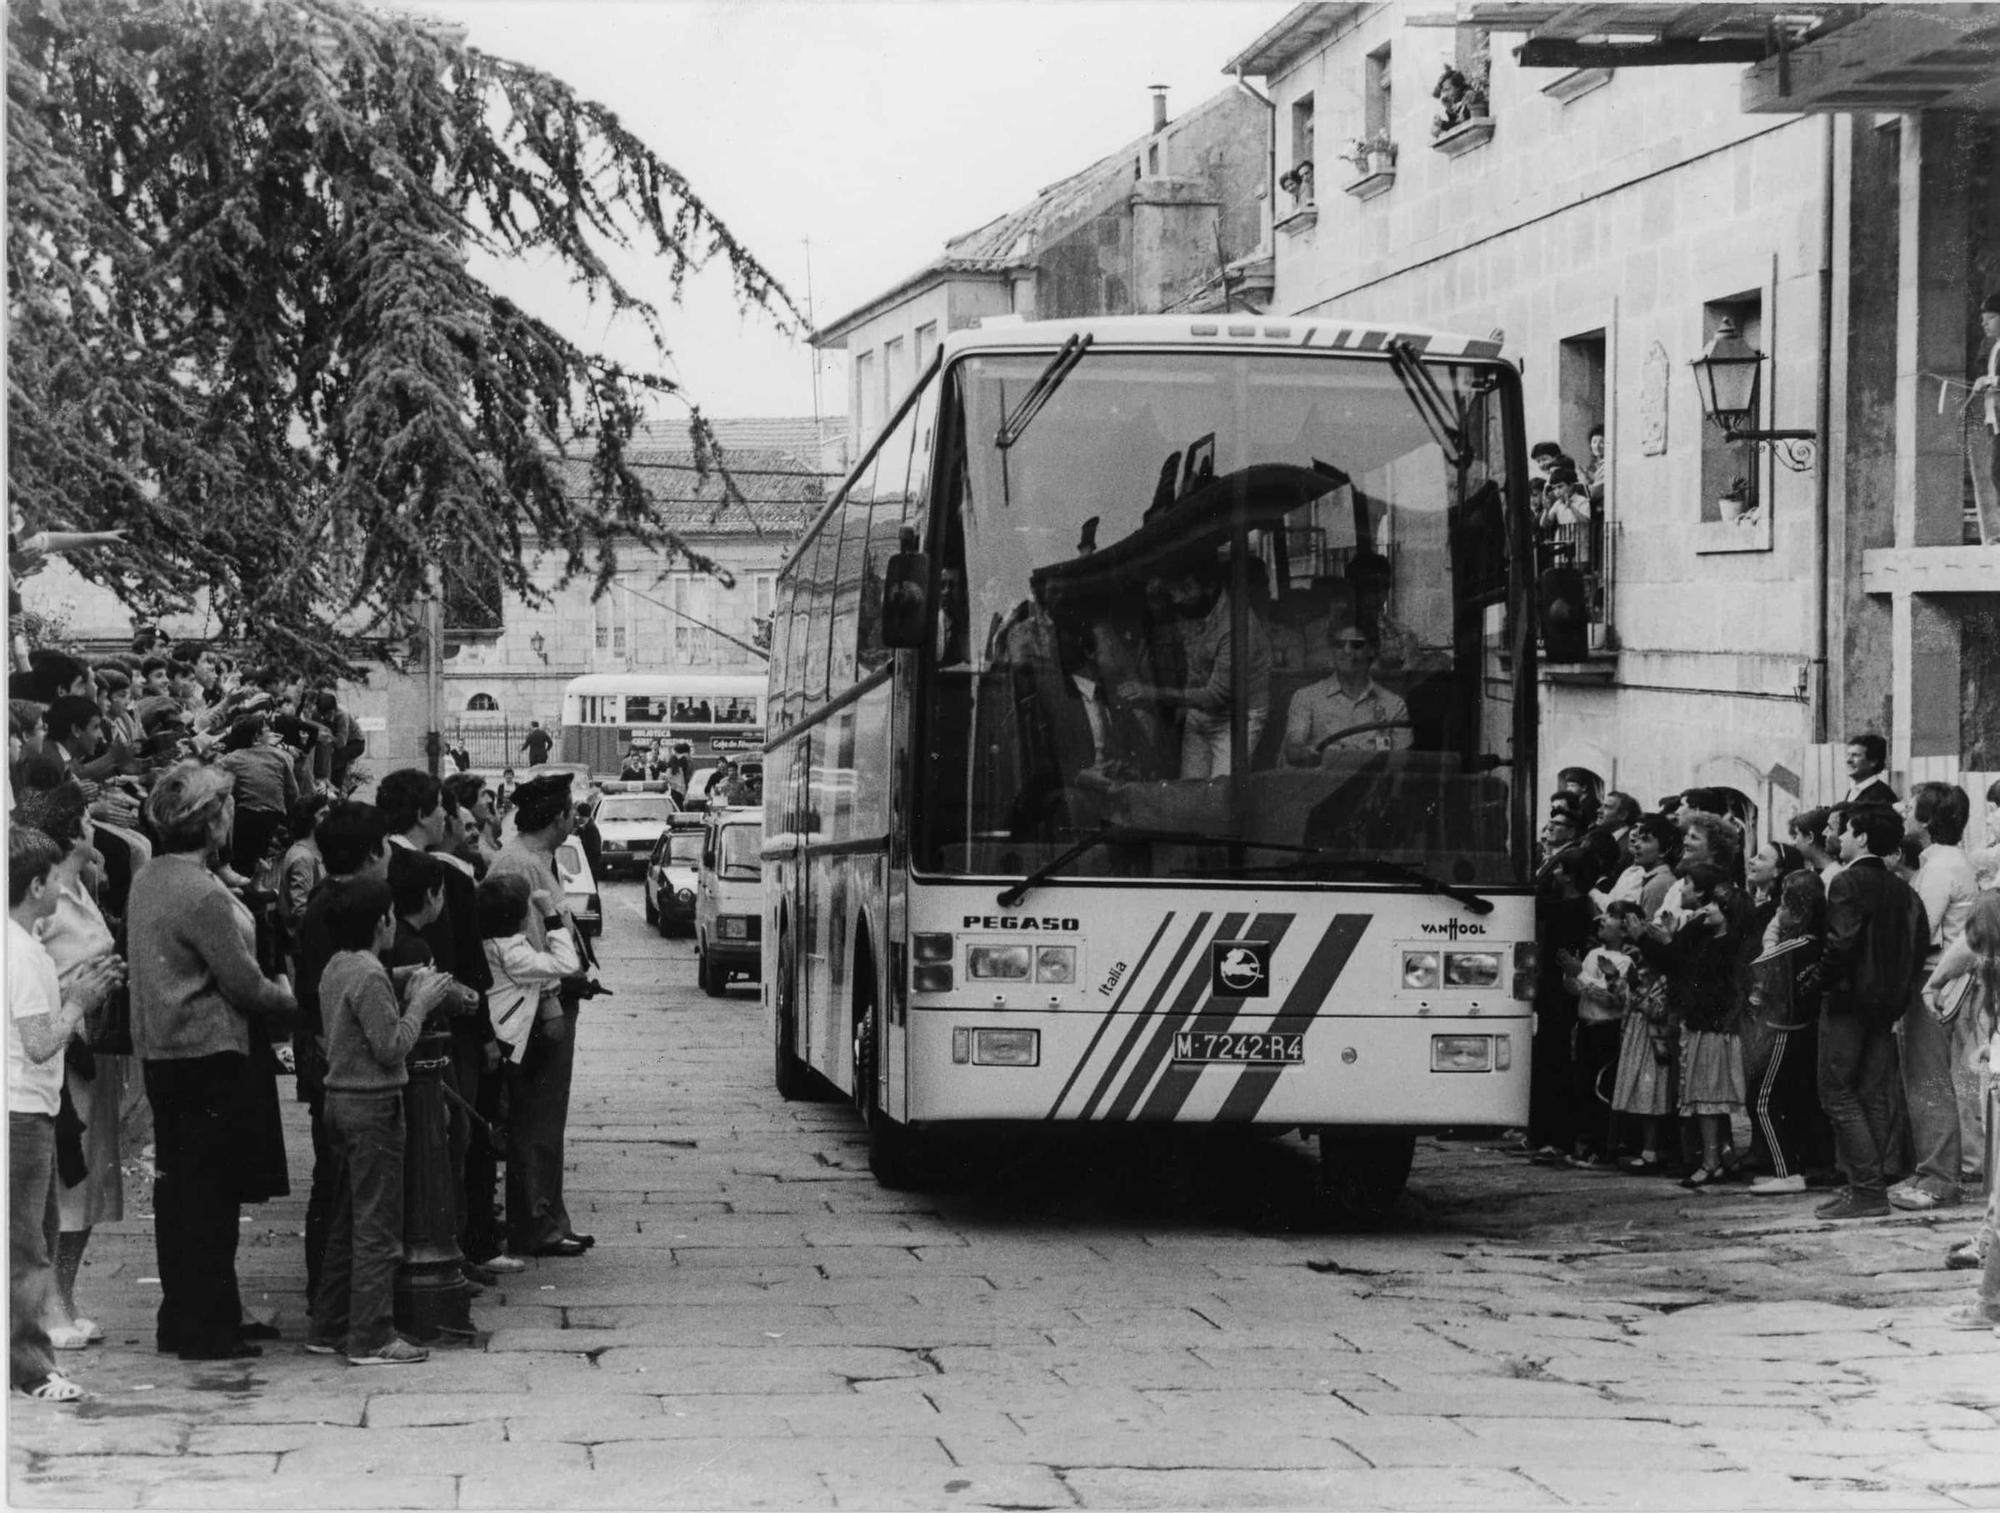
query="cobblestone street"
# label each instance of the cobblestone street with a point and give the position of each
(760, 1325)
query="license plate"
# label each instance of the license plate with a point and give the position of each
(1240, 1046)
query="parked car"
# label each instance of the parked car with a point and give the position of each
(729, 900)
(672, 874)
(580, 895)
(630, 826)
(751, 771)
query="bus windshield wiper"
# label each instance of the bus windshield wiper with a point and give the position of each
(1421, 385)
(1388, 871)
(1041, 391)
(1374, 866)
(1111, 835)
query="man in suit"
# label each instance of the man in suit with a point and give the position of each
(1876, 935)
(1867, 755)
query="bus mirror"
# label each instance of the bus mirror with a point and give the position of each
(903, 593)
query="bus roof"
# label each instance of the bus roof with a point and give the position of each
(732, 684)
(1321, 332)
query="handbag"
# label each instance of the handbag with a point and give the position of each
(1954, 996)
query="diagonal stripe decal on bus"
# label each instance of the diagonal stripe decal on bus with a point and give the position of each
(1178, 1081)
(1193, 990)
(1309, 993)
(1132, 979)
(1175, 965)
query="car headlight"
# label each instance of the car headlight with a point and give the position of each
(1472, 969)
(684, 895)
(1420, 969)
(734, 927)
(1012, 963)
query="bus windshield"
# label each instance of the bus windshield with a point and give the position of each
(1244, 613)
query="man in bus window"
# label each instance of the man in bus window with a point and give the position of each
(1349, 711)
(1198, 595)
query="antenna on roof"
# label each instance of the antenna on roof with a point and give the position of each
(813, 325)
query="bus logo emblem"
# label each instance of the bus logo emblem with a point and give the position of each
(1240, 969)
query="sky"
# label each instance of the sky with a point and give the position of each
(846, 140)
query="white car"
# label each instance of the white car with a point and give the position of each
(630, 825)
(579, 887)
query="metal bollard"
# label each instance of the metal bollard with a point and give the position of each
(433, 1302)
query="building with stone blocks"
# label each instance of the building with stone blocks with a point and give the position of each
(1138, 231)
(658, 615)
(1617, 199)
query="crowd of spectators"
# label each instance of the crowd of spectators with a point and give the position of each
(197, 902)
(1835, 990)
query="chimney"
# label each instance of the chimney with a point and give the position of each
(1159, 106)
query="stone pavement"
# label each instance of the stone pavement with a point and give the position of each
(1145, 1324)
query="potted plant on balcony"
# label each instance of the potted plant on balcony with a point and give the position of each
(1373, 154)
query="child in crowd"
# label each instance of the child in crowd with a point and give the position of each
(1646, 1086)
(1700, 957)
(367, 1037)
(524, 979)
(1602, 983)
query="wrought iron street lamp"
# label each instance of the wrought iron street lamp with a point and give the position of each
(1728, 375)
(535, 645)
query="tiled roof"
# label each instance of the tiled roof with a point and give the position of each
(1016, 239)
(785, 433)
(782, 488)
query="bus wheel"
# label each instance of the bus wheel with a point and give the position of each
(1362, 1174)
(900, 1159)
(793, 1077)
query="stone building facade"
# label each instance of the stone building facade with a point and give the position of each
(1607, 220)
(1138, 231)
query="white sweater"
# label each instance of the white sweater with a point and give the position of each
(521, 975)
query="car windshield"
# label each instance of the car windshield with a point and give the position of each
(1243, 597)
(685, 848)
(635, 806)
(740, 848)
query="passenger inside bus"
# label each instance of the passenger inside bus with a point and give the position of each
(1349, 711)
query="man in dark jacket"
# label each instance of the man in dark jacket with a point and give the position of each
(1876, 932)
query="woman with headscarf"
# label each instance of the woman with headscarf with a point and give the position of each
(1784, 1008)
(89, 1186)
(197, 998)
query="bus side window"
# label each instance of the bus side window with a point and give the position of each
(898, 471)
(779, 710)
(850, 529)
(819, 564)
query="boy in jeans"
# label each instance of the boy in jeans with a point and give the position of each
(367, 1037)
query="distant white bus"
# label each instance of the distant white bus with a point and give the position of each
(605, 714)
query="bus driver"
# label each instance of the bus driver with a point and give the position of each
(1351, 707)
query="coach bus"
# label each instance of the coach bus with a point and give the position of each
(605, 714)
(1152, 734)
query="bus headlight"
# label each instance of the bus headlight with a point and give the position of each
(1011, 963)
(1472, 969)
(1055, 964)
(930, 970)
(997, 1047)
(1527, 963)
(1420, 969)
(1461, 1053)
